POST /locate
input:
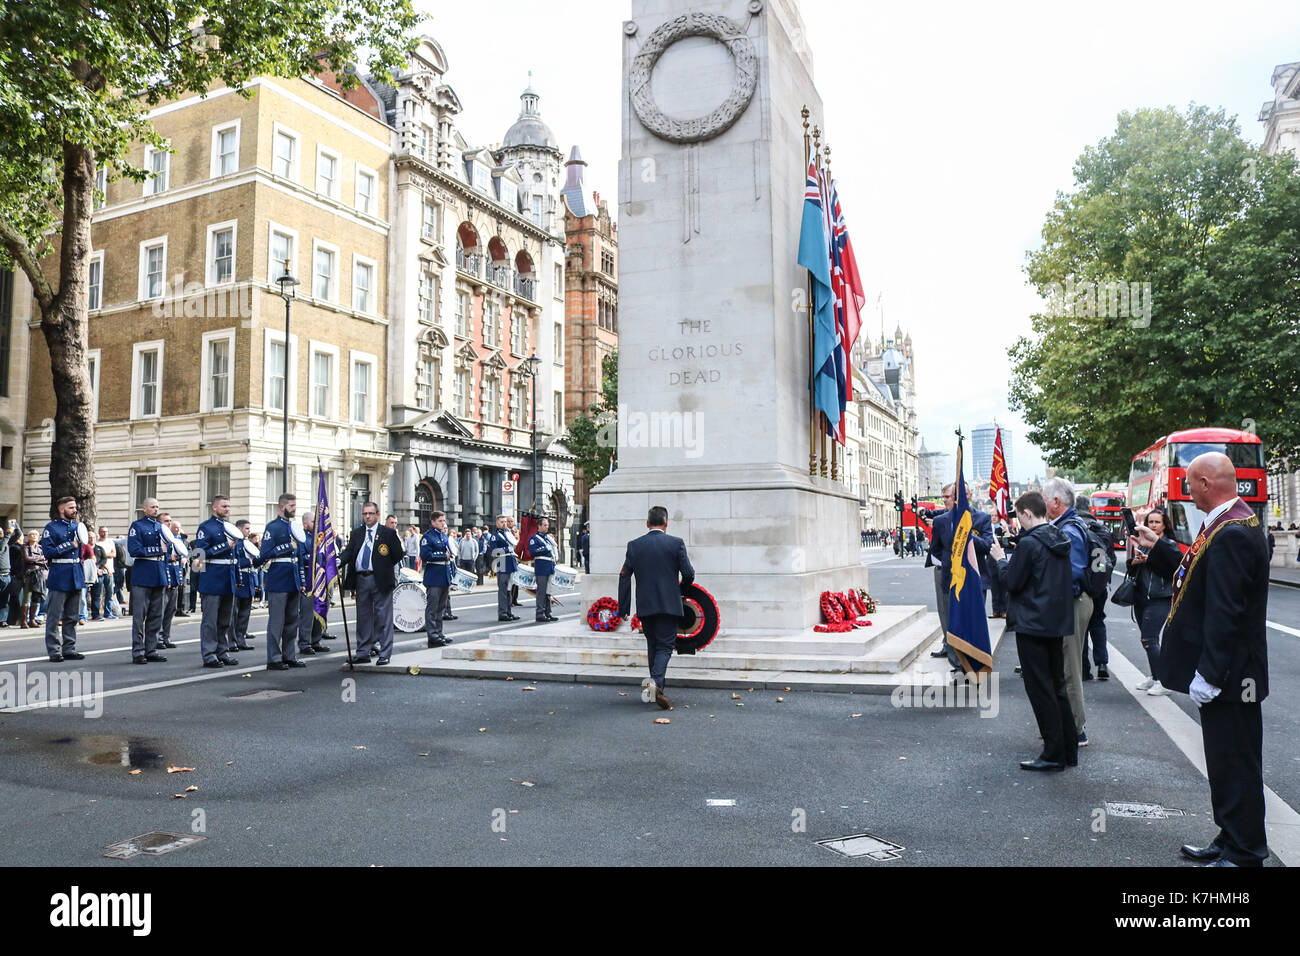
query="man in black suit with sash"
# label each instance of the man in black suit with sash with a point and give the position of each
(370, 563)
(1213, 647)
(656, 559)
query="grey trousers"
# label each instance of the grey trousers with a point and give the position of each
(239, 621)
(214, 633)
(941, 601)
(503, 594)
(543, 598)
(307, 621)
(146, 620)
(282, 629)
(1073, 650)
(374, 618)
(437, 602)
(62, 606)
(171, 598)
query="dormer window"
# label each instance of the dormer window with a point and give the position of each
(482, 178)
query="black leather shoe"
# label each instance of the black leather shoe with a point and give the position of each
(450, 617)
(1044, 765)
(152, 659)
(213, 664)
(244, 647)
(1087, 675)
(1019, 669)
(320, 648)
(1103, 674)
(295, 663)
(434, 643)
(230, 661)
(515, 617)
(1201, 854)
(73, 656)
(445, 642)
(1072, 763)
(277, 666)
(56, 658)
(550, 617)
(515, 604)
(1223, 861)
(380, 662)
(306, 650)
(358, 660)
(507, 617)
(942, 652)
(170, 644)
(139, 660)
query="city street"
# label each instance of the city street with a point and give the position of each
(295, 768)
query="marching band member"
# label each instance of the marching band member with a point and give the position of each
(543, 549)
(284, 585)
(246, 558)
(61, 544)
(147, 549)
(309, 642)
(174, 572)
(501, 557)
(215, 541)
(435, 552)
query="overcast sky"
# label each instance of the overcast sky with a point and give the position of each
(952, 126)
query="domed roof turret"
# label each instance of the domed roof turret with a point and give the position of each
(529, 129)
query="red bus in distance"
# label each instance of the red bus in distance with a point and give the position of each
(1158, 475)
(1107, 507)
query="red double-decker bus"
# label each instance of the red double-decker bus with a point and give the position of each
(1107, 507)
(1159, 475)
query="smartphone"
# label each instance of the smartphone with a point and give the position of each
(1130, 526)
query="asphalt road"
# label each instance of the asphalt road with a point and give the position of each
(319, 768)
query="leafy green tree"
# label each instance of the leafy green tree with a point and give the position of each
(76, 82)
(1178, 203)
(593, 436)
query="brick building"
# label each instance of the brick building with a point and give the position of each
(190, 368)
(591, 296)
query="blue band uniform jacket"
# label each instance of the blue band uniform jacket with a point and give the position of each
(543, 552)
(148, 550)
(218, 575)
(501, 552)
(280, 556)
(435, 555)
(60, 545)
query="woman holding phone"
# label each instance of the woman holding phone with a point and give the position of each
(1152, 595)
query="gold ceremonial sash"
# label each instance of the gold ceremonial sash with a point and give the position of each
(1193, 555)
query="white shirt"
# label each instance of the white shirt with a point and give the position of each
(361, 552)
(1209, 519)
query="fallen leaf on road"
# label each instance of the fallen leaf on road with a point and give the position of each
(245, 675)
(178, 796)
(509, 678)
(735, 697)
(622, 693)
(855, 715)
(358, 747)
(527, 783)
(422, 755)
(135, 773)
(482, 730)
(514, 811)
(179, 769)
(751, 690)
(190, 789)
(530, 688)
(740, 705)
(902, 758)
(414, 670)
(230, 763)
(786, 689)
(780, 700)
(662, 720)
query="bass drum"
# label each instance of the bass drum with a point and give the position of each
(700, 620)
(408, 607)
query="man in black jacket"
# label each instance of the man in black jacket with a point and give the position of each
(1214, 649)
(369, 564)
(655, 559)
(1040, 607)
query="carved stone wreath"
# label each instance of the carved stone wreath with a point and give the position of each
(719, 28)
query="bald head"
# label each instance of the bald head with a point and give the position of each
(1211, 480)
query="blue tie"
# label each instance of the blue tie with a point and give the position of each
(365, 554)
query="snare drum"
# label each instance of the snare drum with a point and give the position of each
(462, 580)
(408, 606)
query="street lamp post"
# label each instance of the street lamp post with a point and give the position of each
(287, 284)
(533, 362)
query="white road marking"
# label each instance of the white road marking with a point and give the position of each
(1283, 628)
(216, 675)
(1281, 821)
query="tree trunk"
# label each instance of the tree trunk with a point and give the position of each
(64, 323)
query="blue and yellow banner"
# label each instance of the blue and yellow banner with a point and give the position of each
(968, 628)
(325, 561)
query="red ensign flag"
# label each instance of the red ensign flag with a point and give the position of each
(998, 486)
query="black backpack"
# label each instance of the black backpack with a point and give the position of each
(1101, 558)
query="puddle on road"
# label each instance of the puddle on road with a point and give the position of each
(101, 750)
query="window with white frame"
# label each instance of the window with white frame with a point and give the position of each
(225, 149)
(324, 362)
(275, 484)
(158, 163)
(559, 343)
(284, 162)
(428, 376)
(428, 295)
(519, 405)
(559, 281)
(279, 377)
(275, 374)
(557, 410)
(462, 392)
(283, 252)
(491, 324)
(95, 282)
(509, 194)
(327, 172)
(482, 180)
(216, 371)
(462, 314)
(363, 284)
(93, 366)
(362, 381)
(491, 399)
(365, 198)
(426, 136)
(517, 330)
(216, 481)
(153, 267)
(146, 487)
(221, 252)
(146, 380)
(429, 224)
(537, 209)
(325, 272)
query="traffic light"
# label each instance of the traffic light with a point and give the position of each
(914, 502)
(898, 501)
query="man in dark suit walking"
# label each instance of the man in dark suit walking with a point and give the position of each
(1213, 648)
(370, 563)
(656, 559)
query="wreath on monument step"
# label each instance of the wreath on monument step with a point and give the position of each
(603, 614)
(840, 613)
(868, 602)
(831, 612)
(635, 623)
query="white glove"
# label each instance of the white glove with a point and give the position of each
(251, 550)
(231, 530)
(82, 534)
(1201, 690)
(299, 534)
(167, 533)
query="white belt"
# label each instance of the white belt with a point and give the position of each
(219, 561)
(149, 559)
(279, 561)
(66, 561)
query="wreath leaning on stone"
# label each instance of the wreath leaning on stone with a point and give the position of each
(603, 614)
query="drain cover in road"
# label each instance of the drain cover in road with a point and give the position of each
(863, 844)
(150, 844)
(271, 694)
(1142, 811)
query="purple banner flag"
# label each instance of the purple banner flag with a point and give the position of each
(325, 558)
